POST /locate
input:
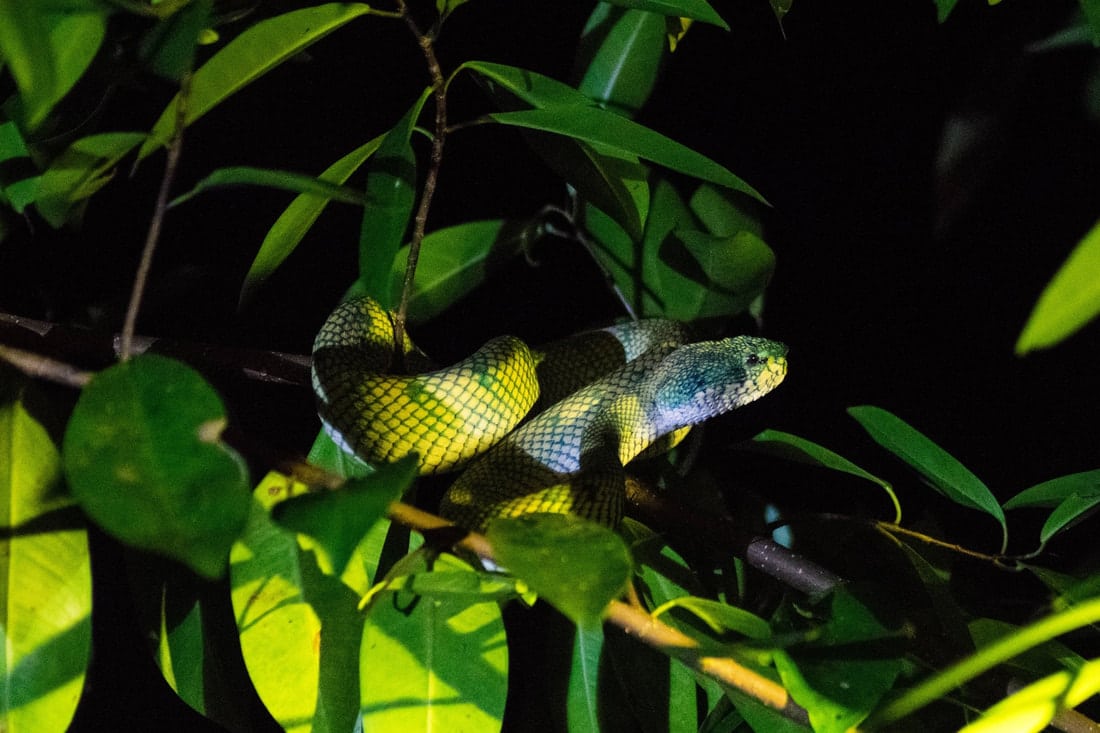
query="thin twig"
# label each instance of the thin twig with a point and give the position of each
(175, 147)
(439, 93)
(43, 367)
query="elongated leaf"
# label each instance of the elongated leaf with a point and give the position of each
(794, 448)
(45, 581)
(291, 616)
(582, 696)
(724, 213)
(716, 276)
(944, 8)
(144, 458)
(942, 470)
(85, 167)
(432, 664)
(1091, 10)
(694, 9)
(249, 56)
(391, 190)
(18, 174)
(455, 260)
(339, 519)
(720, 617)
(619, 56)
(1070, 300)
(169, 49)
(292, 225)
(600, 127)
(270, 178)
(530, 87)
(1073, 510)
(48, 49)
(1030, 709)
(577, 566)
(1053, 492)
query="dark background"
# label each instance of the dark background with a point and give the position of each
(901, 282)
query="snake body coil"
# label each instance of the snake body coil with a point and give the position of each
(569, 457)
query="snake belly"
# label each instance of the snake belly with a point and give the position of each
(569, 458)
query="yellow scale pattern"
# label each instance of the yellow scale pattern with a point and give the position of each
(569, 457)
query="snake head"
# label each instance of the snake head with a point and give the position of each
(699, 381)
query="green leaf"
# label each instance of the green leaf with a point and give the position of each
(582, 695)
(620, 54)
(800, 450)
(576, 565)
(181, 651)
(600, 127)
(18, 174)
(661, 575)
(1030, 709)
(725, 213)
(944, 8)
(455, 260)
(45, 581)
(86, 166)
(1072, 496)
(1070, 300)
(694, 9)
(292, 225)
(942, 470)
(249, 56)
(610, 179)
(293, 618)
(391, 193)
(284, 180)
(143, 455)
(1091, 10)
(720, 617)
(169, 48)
(47, 49)
(339, 519)
(726, 274)
(838, 689)
(438, 663)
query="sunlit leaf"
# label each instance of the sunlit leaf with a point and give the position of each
(143, 455)
(942, 470)
(249, 56)
(271, 178)
(45, 581)
(85, 167)
(793, 448)
(600, 127)
(293, 617)
(292, 225)
(1030, 709)
(576, 565)
(391, 192)
(1070, 300)
(455, 260)
(339, 519)
(720, 617)
(432, 663)
(47, 49)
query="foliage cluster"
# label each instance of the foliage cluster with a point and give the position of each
(345, 617)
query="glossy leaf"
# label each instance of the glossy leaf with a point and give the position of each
(694, 9)
(47, 49)
(292, 225)
(271, 178)
(432, 663)
(942, 470)
(612, 180)
(249, 56)
(143, 455)
(619, 55)
(86, 166)
(720, 617)
(794, 448)
(577, 566)
(45, 581)
(1070, 300)
(1032, 708)
(338, 520)
(582, 695)
(839, 690)
(455, 260)
(600, 127)
(391, 193)
(1073, 497)
(291, 616)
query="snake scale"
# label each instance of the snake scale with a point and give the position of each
(603, 397)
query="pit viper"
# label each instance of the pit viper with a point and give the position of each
(603, 397)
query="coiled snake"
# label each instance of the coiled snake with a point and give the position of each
(608, 396)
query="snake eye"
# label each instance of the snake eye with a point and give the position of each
(753, 359)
